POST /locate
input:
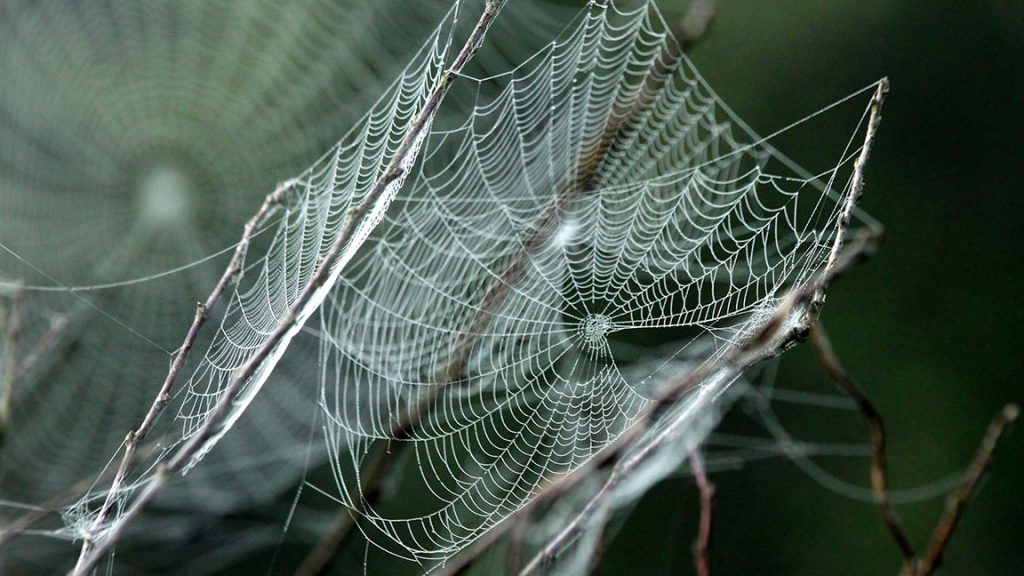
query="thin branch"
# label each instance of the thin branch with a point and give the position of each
(135, 437)
(516, 543)
(48, 340)
(10, 324)
(393, 172)
(957, 501)
(15, 367)
(857, 180)
(702, 545)
(876, 430)
(913, 565)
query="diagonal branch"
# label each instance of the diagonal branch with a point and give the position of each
(10, 326)
(958, 500)
(405, 155)
(702, 545)
(876, 430)
(18, 363)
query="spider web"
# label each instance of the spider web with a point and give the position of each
(599, 193)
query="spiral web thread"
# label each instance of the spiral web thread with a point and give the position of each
(598, 190)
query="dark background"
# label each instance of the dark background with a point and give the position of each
(930, 326)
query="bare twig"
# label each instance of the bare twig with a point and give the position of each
(41, 347)
(702, 545)
(516, 543)
(10, 324)
(16, 366)
(876, 430)
(913, 564)
(291, 323)
(957, 501)
(857, 179)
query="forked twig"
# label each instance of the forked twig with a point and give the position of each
(822, 347)
(702, 544)
(913, 564)
(957, 501)
(406, 152)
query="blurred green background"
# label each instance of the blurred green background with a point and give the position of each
(930, 326)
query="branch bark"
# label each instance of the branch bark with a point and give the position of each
(702, 545)
(10, 325)
(876, 430)
(957, 501)
(18, 363)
